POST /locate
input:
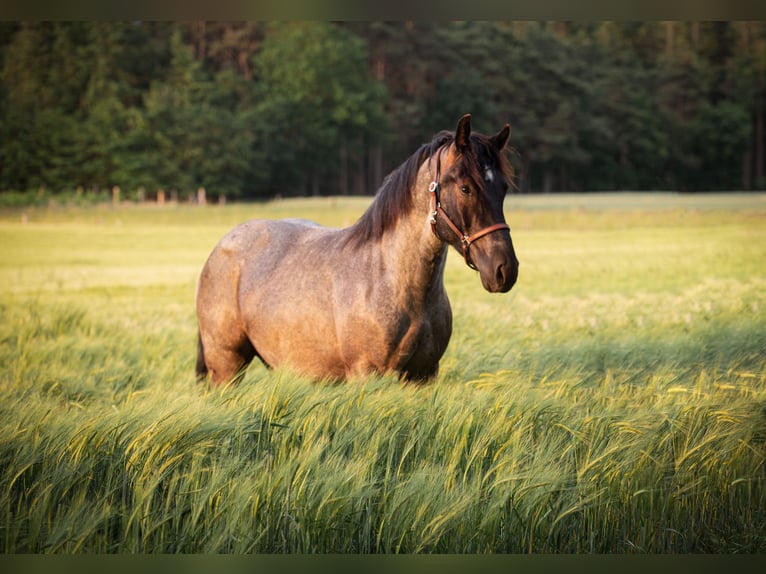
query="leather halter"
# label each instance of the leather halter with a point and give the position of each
(436, 210)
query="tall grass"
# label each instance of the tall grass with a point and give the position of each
(621, 413)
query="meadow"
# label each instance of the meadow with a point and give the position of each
(613, 402)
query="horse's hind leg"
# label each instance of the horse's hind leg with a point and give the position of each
(224, 365)
(201, 366)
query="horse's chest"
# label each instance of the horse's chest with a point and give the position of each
(428, 344)
(386, 327)
(418, 347)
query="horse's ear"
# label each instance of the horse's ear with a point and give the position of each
(501, 138)
(463, 133)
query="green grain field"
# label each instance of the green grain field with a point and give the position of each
(613, 402)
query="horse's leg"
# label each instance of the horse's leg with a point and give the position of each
(421, 376)
(201, 367)
(227, 364)
(224, 349)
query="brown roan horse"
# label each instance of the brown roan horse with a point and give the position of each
(340, 304)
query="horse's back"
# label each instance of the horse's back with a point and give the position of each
(259, 238)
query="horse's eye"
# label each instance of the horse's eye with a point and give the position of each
(465, 189)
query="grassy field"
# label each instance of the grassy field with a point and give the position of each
(614, 401)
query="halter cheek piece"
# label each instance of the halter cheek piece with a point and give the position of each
(436, 210)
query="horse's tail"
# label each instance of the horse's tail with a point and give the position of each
(201, 365)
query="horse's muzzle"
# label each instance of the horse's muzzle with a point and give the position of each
(500, 277)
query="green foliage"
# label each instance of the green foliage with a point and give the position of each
(190, 133)
(720, 136)
(611, 403)
(297, 108)
(310, 108)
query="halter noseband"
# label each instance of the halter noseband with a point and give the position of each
(436, 210)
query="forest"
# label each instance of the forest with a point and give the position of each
(250, 110)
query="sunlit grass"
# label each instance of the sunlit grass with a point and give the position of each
(612, 402)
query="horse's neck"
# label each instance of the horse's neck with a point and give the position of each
(411, 249)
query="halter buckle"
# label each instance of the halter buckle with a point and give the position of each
(434, 186)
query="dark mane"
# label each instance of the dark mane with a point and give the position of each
(394, 198)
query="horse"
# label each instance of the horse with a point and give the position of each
(343, 304)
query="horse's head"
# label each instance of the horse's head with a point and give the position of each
(472, 178)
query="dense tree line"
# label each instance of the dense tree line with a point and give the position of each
(258, 109)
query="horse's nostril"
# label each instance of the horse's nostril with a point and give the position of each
(506, 274)
(500, 274)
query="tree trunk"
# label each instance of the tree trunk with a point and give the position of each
(343, 170)
(361, 172)
(669, 36)
(547, 180)
(525, 173)
(759, 145)
(315, 184)
(201, 45)
(747, 159)
(376, 159)
(744, 35)
(244, 65)
(379, 66)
